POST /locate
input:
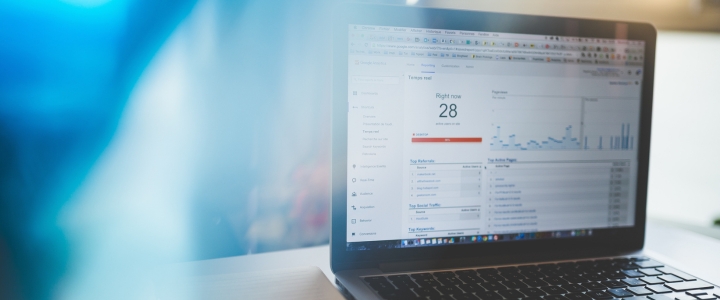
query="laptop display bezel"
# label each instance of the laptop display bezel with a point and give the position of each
(612, 240)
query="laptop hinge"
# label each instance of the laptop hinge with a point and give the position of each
(409, 266)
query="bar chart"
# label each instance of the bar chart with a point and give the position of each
(566, 142)
(623, 141)
(565, 123)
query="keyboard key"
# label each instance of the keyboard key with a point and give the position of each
(402, 277)
(594, 277)
(514, 284)
(532, 274)
(689, 285)
(552, 273)
(684, 276)
(666, 270)
(533, 292)
(574, 279)
(633, 282)
(577, 296)
(488, 296)
(471, 288)
(555, 281)
(682, 296)
(427, 282)
(513, 276)
(553, 290)
(466, 273)
(652, 280)
(614, 275)
(450, 281)
(648, 264)
(511, 294)
(470, 279)
(397, 294)
(405, 285)
(632, 273)
(593, 286)
(598, 295)
(610, 269)
(626, 266)
(381, 286)
(613, 284)
(650, 272)
(493, 286)
(660, 297)
(574, 288)
(535, 282)
(677, 273)
(465, 297)
(426, 291)
(658, 288)
(570, 270)
(620, 293)
(638, 298)
(554, 297)
(706, 297)
(443, 297)
(696, 293)
(421, 276)
(640, 291)
(670, 278)
(449, 290)
(492, 277)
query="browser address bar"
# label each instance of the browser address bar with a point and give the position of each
(483, 50)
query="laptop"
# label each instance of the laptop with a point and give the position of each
(493, 156)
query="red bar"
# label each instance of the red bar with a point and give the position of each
(447, 140)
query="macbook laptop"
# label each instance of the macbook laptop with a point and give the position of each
(493, 156)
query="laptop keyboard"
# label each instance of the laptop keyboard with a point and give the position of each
(637, 278)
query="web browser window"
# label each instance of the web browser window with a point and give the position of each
(470, 137)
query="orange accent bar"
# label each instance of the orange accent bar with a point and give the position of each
(447, 140)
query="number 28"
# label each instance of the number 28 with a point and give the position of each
(450, 110)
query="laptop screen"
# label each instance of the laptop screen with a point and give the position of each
(459, 137)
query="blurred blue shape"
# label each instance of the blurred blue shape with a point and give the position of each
(136, 133)
(65, 71)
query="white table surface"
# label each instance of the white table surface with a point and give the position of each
(694, 253)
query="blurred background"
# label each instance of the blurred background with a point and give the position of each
(135, 134)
